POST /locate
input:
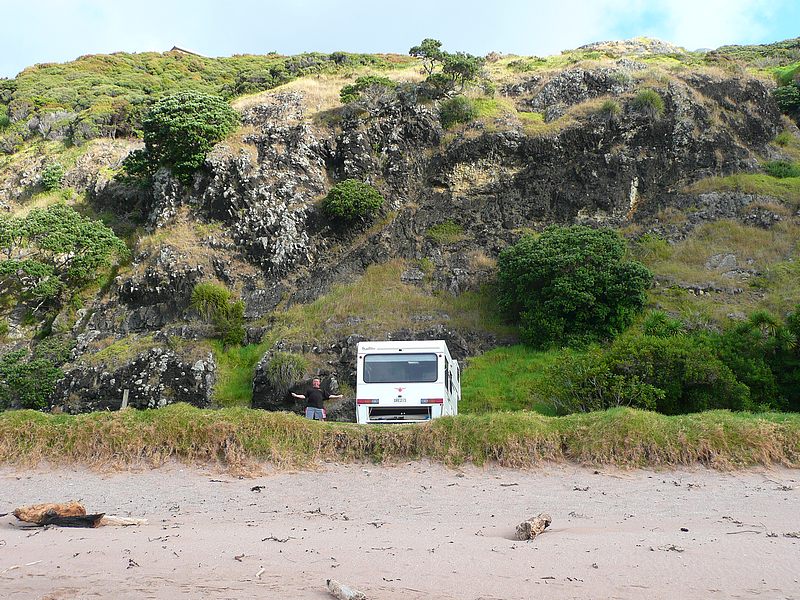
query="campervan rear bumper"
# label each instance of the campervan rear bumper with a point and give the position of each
(399, 414)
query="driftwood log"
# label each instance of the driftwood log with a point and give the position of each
(342, 592)
(38, 513)
(70, 514)
(528, 530)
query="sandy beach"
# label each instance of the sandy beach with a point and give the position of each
(410, 531)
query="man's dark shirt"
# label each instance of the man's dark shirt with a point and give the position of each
(315, 397)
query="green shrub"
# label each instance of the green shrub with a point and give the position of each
(687, 369)
(370, 84)
(180, 130)
(649, 102)
(782, 169)
(285, 369)
(446, 232)
(216, 305)
(657, 323)
(788, 98)
(52, 174)
(459, 109)
(570, 285)
(52, 249)
(26, 383)
(586, 383)
(784, 138)
(3, 328)
(610, 109)
(352, 200)
(53, 349)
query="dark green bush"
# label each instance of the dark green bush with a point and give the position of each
(686, 368)
(53, 249)
(180, 130)
(586, 383)
(788, 98)
(649, 102)
(26, 383)
(216, 305)
(570, 285)
(52, 174)
(459, 109)
(782, 169)
(352, 200)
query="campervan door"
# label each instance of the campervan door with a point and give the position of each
(406, 382)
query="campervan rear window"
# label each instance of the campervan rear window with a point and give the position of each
(400, 368)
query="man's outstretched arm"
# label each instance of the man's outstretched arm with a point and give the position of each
(301, 396)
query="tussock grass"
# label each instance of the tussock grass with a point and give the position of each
(384, 303)
(239, 439)
(787, 189)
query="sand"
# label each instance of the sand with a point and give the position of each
(410, 531)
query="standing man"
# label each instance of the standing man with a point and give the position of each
(315, 398)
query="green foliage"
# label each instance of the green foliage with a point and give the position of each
(446, 232)
(53, 349)
(216, 305)
(4, 328)
(26, 383)
(461, 67)
(431, 53)
(107, 95)
(235, 368)
(180, 129)
(570, 285)
(457, 68)
(52, 174)
(788, 98)
(285, 369)
(649, 102)
(784, 138)
(782, 169)
(610, 109)
(586, 383)
(752, 365)
(352, 200)
(367, 85)
(459, 109)
(657, 323)
(52, 249)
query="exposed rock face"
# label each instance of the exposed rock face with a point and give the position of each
(489, 182)
(155, 378)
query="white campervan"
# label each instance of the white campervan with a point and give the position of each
(406, 382)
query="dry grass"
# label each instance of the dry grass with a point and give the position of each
(240, 439)
(321, 92)
(381, 303)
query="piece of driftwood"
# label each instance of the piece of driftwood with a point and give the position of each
(50, 518)
(36, 513)
(342, 592)
(112, 520)
(71, 514)
(528, 530)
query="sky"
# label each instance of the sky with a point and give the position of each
(38, 31)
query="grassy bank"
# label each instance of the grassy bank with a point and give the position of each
(240, 438)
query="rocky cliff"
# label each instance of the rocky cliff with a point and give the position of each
(568, 145)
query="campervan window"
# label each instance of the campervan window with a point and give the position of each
(400, 368)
